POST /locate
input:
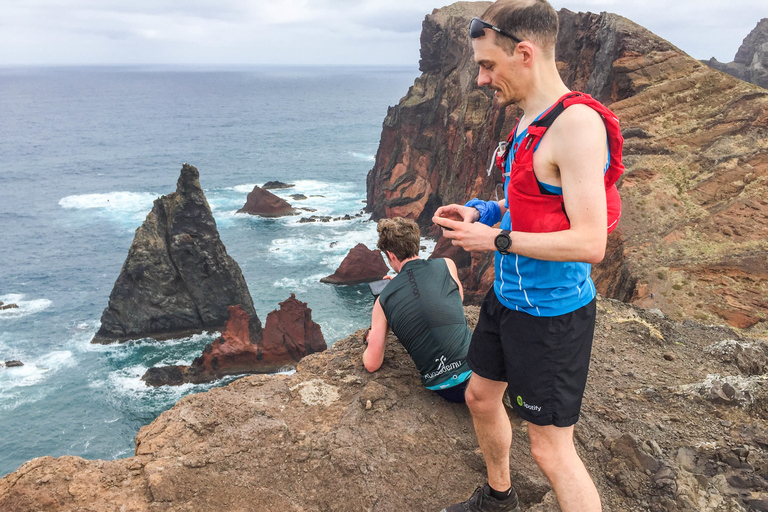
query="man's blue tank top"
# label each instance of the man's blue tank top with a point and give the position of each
(539, 287)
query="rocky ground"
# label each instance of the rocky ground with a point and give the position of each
(674, 419)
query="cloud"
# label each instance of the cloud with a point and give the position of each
(303, 31)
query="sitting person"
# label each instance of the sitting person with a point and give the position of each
(423, 307)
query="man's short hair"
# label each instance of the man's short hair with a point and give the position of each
(399, 236)
(534, 20)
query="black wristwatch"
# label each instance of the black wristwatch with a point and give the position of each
(503, 242)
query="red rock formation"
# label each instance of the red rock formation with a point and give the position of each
(360, 266)
(289, 335)
(693, 237)
(265, 203)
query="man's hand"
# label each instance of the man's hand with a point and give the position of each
(469, 236)
(458, 212)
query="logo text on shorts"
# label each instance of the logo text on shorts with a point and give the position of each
(521, 403)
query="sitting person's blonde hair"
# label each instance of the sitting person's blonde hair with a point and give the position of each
(399, 236)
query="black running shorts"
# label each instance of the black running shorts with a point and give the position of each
(544, 360)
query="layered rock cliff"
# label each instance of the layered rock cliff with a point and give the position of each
(692, 240)
(675, 418)
(751, 60)
(178, 278)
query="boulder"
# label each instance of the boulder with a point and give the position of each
(13, 364)
(8, 306)
(289, 334)
(266, 204)
(361, 265)
(178, 278)
(270, 185)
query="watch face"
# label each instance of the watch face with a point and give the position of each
(503, 242)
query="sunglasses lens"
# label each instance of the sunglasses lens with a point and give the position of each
(476, 28)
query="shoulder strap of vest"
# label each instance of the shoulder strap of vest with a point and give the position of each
(558, 108)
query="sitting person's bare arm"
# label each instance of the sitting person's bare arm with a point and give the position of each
(373, 356)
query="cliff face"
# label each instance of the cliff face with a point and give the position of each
(675, 418)
(692, 240)
(751, 60)
(178, 278)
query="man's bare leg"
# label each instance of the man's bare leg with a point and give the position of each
(492, 427)
(553, 450)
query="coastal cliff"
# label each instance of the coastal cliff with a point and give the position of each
(751, 60)
(692, 239)
(675, 418)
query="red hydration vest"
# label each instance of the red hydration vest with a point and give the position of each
(534, 210)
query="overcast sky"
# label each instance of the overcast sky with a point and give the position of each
(300, 32)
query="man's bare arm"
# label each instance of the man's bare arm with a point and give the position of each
(578, 149)
(373, 356)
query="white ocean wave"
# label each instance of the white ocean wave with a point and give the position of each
(122, 202)
(363, 156)
(25, 307)
(34, 372)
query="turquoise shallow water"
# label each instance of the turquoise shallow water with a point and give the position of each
(85, 151)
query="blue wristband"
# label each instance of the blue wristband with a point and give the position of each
(490, 213)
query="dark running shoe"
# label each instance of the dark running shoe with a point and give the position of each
(482, 501)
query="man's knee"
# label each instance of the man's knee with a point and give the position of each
(484, 397)
(550, 445)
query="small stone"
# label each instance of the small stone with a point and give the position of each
(725, 423)
(368, 405)
(669, 356)
(729, 391)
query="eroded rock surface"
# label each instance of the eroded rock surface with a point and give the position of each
(361, 265)
(264, 203)
(751, 60)
(693, 237)
(288, 335)
(670, 423)
(178, 278)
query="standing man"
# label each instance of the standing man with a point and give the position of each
(536, 324)
(423, 307)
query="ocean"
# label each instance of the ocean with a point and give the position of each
(84, 151)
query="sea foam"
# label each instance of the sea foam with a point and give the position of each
(25, 307)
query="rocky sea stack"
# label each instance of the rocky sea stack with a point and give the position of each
(288, 335)
(178, 278)
(264, 203)
(361, 265)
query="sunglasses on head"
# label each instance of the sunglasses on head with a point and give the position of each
(477, 29)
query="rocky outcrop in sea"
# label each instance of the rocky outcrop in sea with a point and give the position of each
(264, 203)
(361, 265)
(178, 278)
(288, 335)
(675, 418)
(692, 239)
(751, 60)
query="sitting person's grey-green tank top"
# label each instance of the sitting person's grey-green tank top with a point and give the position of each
(423, 307)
